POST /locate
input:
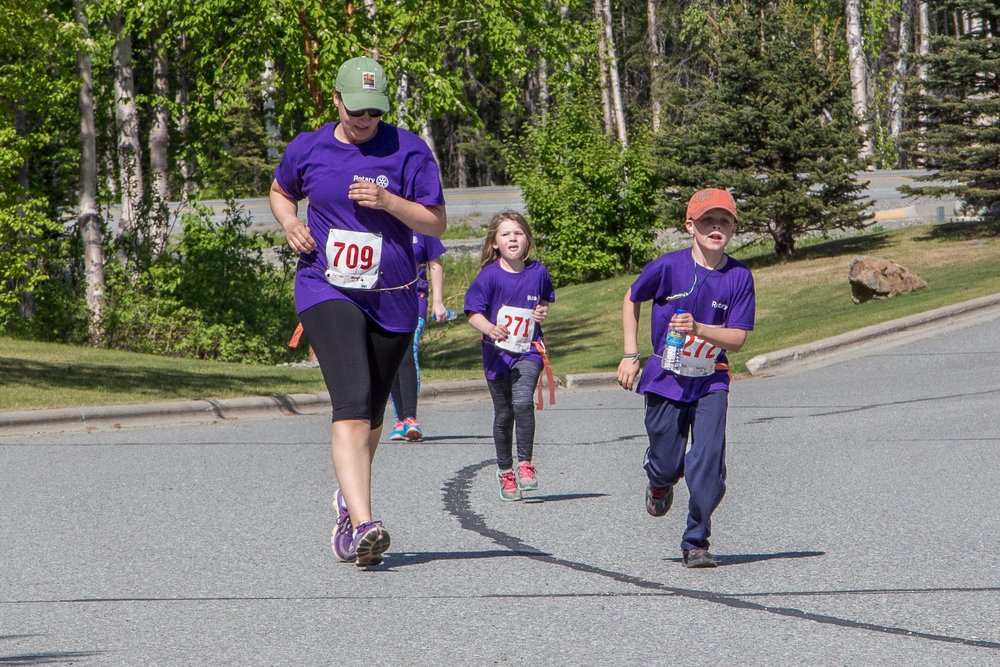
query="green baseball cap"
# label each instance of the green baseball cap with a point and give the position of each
(361, 84)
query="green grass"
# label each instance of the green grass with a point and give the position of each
(799, 301)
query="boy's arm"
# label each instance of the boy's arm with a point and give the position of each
(629, 366)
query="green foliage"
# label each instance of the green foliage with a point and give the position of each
(775, 128)
(957, 113)
(212, 296)
(590, 200)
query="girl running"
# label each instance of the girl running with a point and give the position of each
(506, 303)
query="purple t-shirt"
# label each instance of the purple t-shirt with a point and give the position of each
(321, 168)
(723, 298)
(494, 288)
(425, 248)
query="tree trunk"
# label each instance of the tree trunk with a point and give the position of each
(270, 128)
(88, 218)
(615, 84)
(923, 39)
(897, 88)
(181, 98)
(27, 305)
(654, 62)
(543, 89)
(129, 154)
(311, 48)
(859, 72)
(159, 139)
(602, 55)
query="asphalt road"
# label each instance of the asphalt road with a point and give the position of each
(475, 206)
(860, 527)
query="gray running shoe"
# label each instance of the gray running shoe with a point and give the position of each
(699, 558)
(658, 501)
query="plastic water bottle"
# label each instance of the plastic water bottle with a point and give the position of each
(672, 345)
(449, 316)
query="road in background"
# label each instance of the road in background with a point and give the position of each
(475, 206)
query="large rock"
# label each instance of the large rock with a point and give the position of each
(876, 278)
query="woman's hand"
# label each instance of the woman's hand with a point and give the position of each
(369, 195)
(299, 237)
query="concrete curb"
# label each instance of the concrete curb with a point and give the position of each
(119, 416)
(180, 412)
(772, 361)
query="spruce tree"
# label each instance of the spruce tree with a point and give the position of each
(955, 111)
(773, 124)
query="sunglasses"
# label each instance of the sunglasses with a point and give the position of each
(373, 113)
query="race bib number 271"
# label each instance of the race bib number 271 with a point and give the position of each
(520, 325)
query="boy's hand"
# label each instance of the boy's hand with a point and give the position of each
(628, 369)
(684, 323)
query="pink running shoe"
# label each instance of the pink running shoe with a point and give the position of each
(526, 480)
(508, 486)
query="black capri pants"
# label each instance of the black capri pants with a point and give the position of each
(358, 358)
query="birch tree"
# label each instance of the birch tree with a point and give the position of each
(88, 218)
(652, 35)
(858, 67)
(159, 141)
(127, 123)
(897, 86)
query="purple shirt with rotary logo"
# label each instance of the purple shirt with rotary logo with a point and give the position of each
(494, 288)
(321, 168)
(425, 248)
(724, 298)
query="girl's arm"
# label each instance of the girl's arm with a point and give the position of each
(487, 328)
(628, 367)
(541, 311)
(730, 340)
(285, 210)
(436, 273)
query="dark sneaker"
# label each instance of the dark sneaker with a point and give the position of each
(508, 486)
(658, 501)
(370, 541)
(526, 480)
(412, 429)
(343, 531)
(699, 558)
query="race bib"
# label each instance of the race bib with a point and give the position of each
(353, 258)
(520, 325)
(697, 358)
